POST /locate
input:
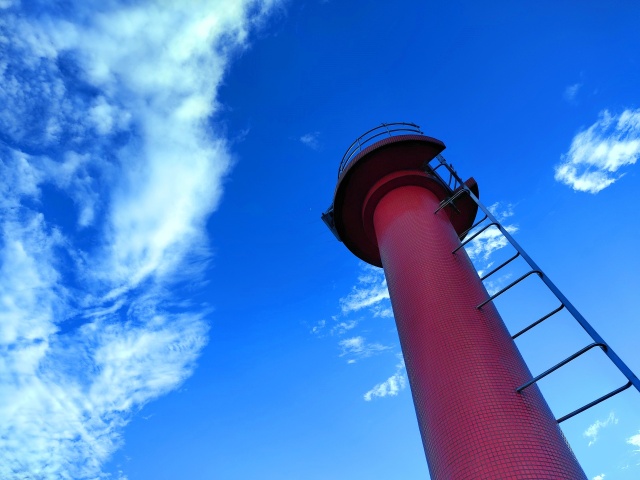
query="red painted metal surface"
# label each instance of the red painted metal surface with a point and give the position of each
(463, 366)
(405, 152)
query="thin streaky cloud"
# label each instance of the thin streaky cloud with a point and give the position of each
(571, 92)
(355, 348)
(502, 210)
(391, 386)
(591, 433)
(311, 140)
(488, 242)
(370, 291)
(342, 327)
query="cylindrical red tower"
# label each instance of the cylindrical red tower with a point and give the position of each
(462, 364)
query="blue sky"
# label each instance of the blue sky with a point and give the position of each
(172, 305)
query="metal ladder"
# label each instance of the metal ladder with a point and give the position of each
(457, 189)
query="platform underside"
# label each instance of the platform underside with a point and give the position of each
(404, 153)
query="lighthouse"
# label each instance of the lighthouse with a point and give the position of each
(393, 210)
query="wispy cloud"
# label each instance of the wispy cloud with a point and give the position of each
(111, 107)
(370, 295)
(481, 248)
(485, 244)
(571, 92)
(597, 153)
(343, 327)
(356, 348)
(495, 285)
(370, 291)
(318, 327)
(592, 432)
(391, 386)
(311, 140)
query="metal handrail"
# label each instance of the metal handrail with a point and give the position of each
(368, 137)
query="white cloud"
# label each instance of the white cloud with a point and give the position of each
(86, 335)
(481, 248)
(597, 153)
(318, 327)
(592, 432)
(369, 293)
(501, 210)
(485, 244)
(311, 140)
(391, 386)
(343, 327)
(382, 311)
(357, 347)
(571, 92)
(599, 477)
(635, 441)
(494, 286)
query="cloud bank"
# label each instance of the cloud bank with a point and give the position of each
(109, 169)
(599, 152)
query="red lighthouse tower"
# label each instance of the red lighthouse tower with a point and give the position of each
(393, 210)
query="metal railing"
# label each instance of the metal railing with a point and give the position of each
(451, 183)
(367, 138)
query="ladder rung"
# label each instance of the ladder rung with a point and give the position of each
(562, 363)
(436, 167)
(595, 336)
(450, 200)
(426, 166)
(475, 235)
(496, 295)
(464, 234)
(595, 402)
(537, 322)
(503, 265)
